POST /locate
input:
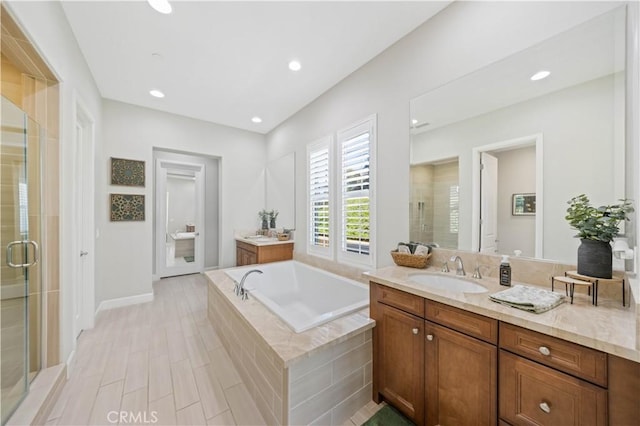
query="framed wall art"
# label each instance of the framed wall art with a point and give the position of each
(523, 204)
(127, 172)
(126, 207)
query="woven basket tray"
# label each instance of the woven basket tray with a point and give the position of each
(410, 260)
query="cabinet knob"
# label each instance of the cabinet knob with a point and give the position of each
(544, 350)
(545, 407)
(415, 330)
(429, 337)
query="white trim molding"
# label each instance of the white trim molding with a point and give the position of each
(124, 301)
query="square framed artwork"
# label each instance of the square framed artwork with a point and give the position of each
(523, 204)
(127, 172)
(126, 207)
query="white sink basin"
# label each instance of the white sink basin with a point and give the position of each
(441, 282)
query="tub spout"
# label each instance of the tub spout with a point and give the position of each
(239, 289)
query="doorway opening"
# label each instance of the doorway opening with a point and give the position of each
(186, 213)
(506, 175)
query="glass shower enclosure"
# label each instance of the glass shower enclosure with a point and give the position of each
(20, 271)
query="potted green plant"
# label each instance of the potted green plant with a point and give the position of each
(273, 214)
(264, 217)
(596, 226)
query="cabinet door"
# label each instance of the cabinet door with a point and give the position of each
(460, 378)
(400, 358)
(532, 394)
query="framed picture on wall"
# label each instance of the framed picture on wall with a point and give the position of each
(127, 172)
(126, 207)
(523, 204)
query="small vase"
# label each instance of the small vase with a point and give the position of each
(595, 259)
(273, 223)
(265, 224)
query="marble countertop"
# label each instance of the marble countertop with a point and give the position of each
(263, 241)
(288, 345)
(607, 327)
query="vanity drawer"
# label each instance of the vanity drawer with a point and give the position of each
(469, 323)
(532, 394)
(580, 361)
(399, 299)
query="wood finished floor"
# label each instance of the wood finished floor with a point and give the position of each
(159, 363)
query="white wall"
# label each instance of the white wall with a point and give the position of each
(46, 25)
(133, 132)
(578, 129)
(516, 175)
(462, 38)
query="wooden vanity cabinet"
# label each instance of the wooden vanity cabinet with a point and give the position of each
(533, 394)
(460, 378)
(441, 365)
(425, 363)
(249, 254)
(400, 363)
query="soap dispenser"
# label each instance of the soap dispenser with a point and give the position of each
(505, 271)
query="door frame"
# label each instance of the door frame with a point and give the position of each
(160, 217)
(84, 120)
(535, 140)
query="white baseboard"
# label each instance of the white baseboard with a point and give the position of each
(70, 360)
(124, 301)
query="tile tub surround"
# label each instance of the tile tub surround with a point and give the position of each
(607, 327)
(322, 375)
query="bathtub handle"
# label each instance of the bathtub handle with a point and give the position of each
(415, 330)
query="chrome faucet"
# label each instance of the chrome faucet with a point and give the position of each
(239, 289)
(459, 266)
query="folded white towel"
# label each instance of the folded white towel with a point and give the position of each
(403, 249)
(421, 250)
(528, 298)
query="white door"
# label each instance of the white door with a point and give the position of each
(488, 203)
(82, 233)
(79, 249)
(180, 232)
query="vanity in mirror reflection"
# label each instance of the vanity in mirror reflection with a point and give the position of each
(501, 131)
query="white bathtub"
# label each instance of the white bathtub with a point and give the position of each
(301, 295)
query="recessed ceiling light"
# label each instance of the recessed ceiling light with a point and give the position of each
(295, 66)
(540, 75)
(256, 120)
(156, 93)
(161, 6)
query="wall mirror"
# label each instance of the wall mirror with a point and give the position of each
(280, 180)
(506, 131)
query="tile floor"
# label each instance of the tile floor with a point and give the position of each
(159, 363)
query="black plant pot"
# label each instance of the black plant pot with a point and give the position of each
(265, 224)
(273, 223)
(594, 259)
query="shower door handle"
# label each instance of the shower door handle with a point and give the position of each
(36, 253)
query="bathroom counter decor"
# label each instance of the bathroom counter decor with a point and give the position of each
(410, 260)
(596, 283)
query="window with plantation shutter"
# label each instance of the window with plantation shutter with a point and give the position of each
(356, 153)
(319, 190)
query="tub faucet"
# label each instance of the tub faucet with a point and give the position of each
(459, 266)
(239, 289)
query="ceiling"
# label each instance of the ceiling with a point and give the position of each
(589, 51)
(226, 62)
